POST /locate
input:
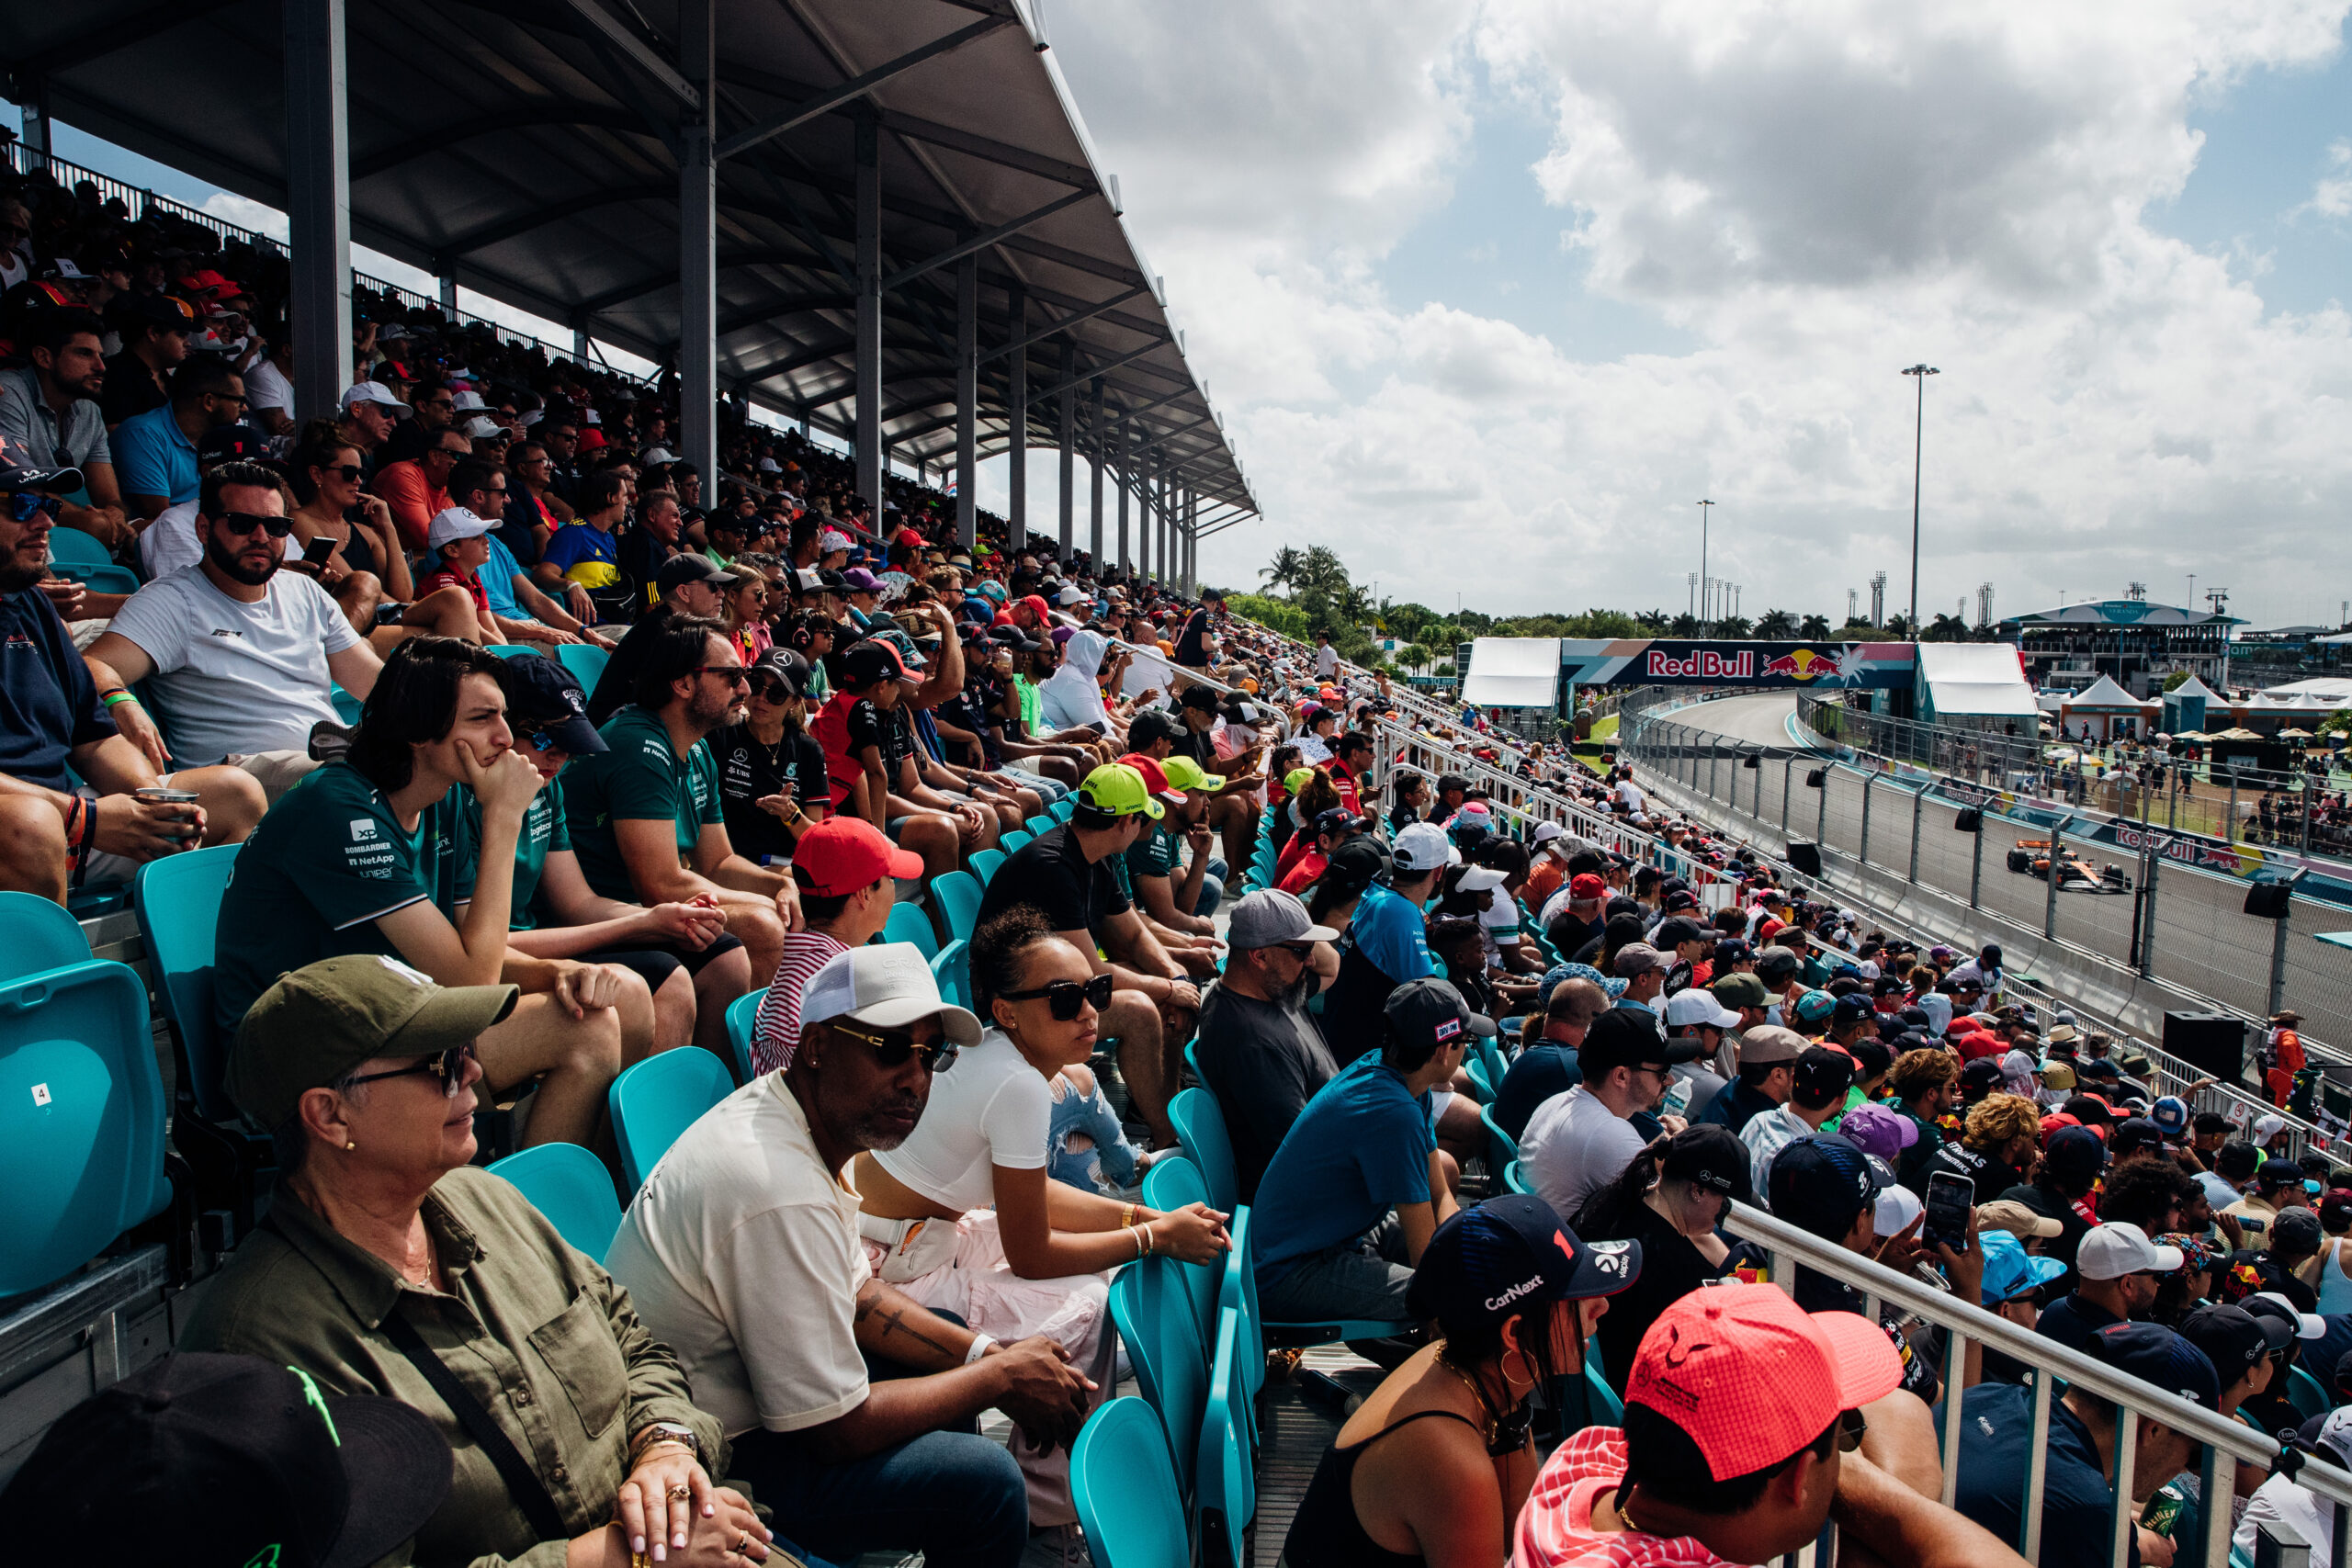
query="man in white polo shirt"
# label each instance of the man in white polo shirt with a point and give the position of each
(1582, 1140)
(742, 1252)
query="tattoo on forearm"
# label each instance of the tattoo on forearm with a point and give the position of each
(894, 1321)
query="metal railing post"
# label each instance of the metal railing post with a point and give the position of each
(1788, 767)
(2148, 911)
(2050, 910)
(1821, 806)
(1976, 864)
(1863, 853)
(2278, 947)
(1919, 805)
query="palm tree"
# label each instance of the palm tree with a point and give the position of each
(1653, 620)
(1283, 571)
(1814, 629)
(1685, 626)
(1946, 627)
(1732, 627)
(1776, 624)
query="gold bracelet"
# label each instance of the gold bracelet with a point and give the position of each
(1127, 1217)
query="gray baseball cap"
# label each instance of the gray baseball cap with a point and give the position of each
(1271, 917)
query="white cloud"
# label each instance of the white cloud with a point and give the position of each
(1814, 194)
(2331, 197)
(247, 214)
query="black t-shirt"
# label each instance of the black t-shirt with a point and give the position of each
(1190, 649)
(1671, 1269)
(1986, 1175)
(749, 769)
(1263, 1062)
(1052, 875)
(1568, 934)
(612, 690)
(129, 389)
(1995, 1447)
(1200, 746)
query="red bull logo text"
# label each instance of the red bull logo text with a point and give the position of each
(1705, 664)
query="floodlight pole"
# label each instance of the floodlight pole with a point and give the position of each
(1706, 583)
(1918, 373)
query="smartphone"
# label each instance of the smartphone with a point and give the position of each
(315, 553)
(1949, 1198)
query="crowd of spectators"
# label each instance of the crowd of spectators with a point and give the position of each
(632, 741)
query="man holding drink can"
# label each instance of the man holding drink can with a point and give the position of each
(79, 802)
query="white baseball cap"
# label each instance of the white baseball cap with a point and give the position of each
(1547, 831)
(2111, 1251)
(453, 523)
(1421, 846)
(1696, 1004)
(1894, 1206)
(481, 427)
(888, 985)
(372, 393)
(834, 539)
(2307, 1324)
(1479, 879)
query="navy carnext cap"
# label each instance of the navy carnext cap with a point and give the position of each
(1485, 1264)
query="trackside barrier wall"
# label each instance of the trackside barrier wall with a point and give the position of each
(2157, 936)
(2221, 1442)
(1521, 803)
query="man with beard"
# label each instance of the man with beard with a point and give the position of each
(67, 812)
(49, 409)
(242, 655)
(645, 815)
(848, 1406)
(1259, 1053)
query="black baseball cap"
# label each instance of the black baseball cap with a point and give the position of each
(1020, 641)
(872, 661)
(784, 665)
(1982, 1074)
(1431, 1012)
(1356, 865)
(1621, 1037)
(2132, 1134)
(688, 566)
(1150, 725)
(2090, 1110)
(2295, 1231)
(1711, 1155)
(1510, 1253)
(231, 443)
(1679, 930)
(2233, 1338)
(2156, 1355)
(1823, 1073)
(2280, 1173)
(1202, 697)
(232, 1459)
(2074, 1153)
(1820, 1182)
(544, 698)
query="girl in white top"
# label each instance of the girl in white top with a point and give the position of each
(1038, 1262)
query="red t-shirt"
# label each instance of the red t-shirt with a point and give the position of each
(1555, 1528)
(433, 582)
(1306, 869)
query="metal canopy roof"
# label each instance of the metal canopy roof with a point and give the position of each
(528, 149)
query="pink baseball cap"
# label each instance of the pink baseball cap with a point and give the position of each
(1753, 1377)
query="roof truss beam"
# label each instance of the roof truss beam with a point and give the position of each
(856, 87)
(639, 52)
(980, 242)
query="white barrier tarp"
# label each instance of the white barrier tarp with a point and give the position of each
(1513, 672)
(1975, 679)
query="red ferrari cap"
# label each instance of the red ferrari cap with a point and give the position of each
(1753, 1377)
(843, 853)
(1587, 887)
(1155, 778)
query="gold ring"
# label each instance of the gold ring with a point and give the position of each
(743, 1544)
(681, 1492)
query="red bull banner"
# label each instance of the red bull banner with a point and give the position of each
(1667, 661)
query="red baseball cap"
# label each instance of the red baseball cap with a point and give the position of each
(1155, 777)
(1753, 1377)
(843, 855)
(1586, 886)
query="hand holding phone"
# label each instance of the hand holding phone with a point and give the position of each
(1945, 1224)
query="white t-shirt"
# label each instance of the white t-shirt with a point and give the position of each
(267, 387)
(991, 1108)
(1574, 1147)
(742, 1255)
(1327, 662)
(234, 677)
(1631, 794)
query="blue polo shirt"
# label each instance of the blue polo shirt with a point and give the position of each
(49, 705)
(497, 578)
(1996, 1422)
(153, 458)
(1360, 1147)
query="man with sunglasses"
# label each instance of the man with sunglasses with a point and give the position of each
(1582, 1140)
(243, 656)
(417, 488)
(742, 1252)
(67, 810)
(154, 452)
(434, 403)
(848, 877)
(1259, 1053)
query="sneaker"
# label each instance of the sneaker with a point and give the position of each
(1057, 1546)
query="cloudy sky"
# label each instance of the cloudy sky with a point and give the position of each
(1492, 293)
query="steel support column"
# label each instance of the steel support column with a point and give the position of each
(318, 202)
(1066, 441)
(1127, 485)
(38, 122)
(698, 245)
(1096, 458)
(869, 138)
(968, 399)
(1145, 479)
(1016, 479)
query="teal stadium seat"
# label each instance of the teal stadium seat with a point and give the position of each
(71, 546)
(35, 934)
(1123, 1486)
(1149, 1303)
(1041, 825)
(1168, 1184)
(1011, 842)
(1200, 1127)
(952, 972)
(573, 1189)
(908, 923)
(660, 1098)
(82, 1116)
(984, 864)
(179, 908)
(739, 1014)
(1226, 1461)
(585, 660)
(958, 895)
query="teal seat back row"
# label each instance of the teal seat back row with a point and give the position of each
(512, 650)
(573, 1189)
(660, 1098)
(1199, 1126)
(1502, 1149)
(1227, 1461)
(1124, 1487)
(1063, 809)
(1491, 1056)
(2306, 1393)
(953, 971)
(179, 911)
(35, 934)
(1155, 1317)
(101, 578)
(984, 865)
(1515, 1177)
(1238, 1289)
(908, 923)
(958, 893)
(71, 546)
(1013, 841)
(82, 1118)
(1168, 1186)
(739, 1014)
(1041, 825)
(585, 660)
(347, 706)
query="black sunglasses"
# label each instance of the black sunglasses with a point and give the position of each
(893, 1049)
(246, 522)
(24, 505)
(448, 1065)
(347, 472)
(733, 673)
(1062, 996)
(772, 692)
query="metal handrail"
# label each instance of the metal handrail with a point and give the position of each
(2224, 1442)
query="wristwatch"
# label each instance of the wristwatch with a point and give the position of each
(663, 1432)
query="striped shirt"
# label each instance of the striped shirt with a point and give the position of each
(775, 1029)
(1555, 1527)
